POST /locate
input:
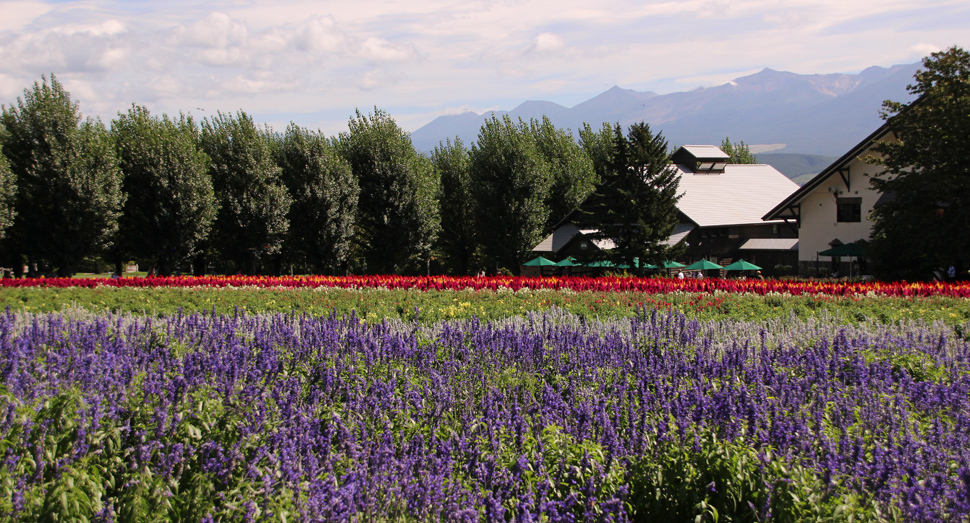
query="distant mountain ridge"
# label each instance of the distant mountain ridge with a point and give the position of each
(798, 167)
(810, 114)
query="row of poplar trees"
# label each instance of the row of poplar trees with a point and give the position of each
(230, 195)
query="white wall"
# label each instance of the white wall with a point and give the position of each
(819, 224)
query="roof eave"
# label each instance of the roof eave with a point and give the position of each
(776, 212)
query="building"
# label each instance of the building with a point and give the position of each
(833, 209)
(720, 214)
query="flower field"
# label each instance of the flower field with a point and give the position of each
(537, 409)
(580, 284)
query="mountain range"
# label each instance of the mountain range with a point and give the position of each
(772, 111)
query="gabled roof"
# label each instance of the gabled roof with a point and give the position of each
(740, 195)
(701, 152)
(680, 232)
(558, 239)
(568, 232)
(782, 210)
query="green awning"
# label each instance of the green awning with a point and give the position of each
(742, 265)
(540, 262)
(703, 265)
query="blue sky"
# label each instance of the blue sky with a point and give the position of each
(315, 62)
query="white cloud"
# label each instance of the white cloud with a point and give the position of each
(107, 28)
(16, 15)
(74, 48)
(380, 50)
(374, 79)
(259, 84)
(218, 31)
(318, 35)
(547, 42)
(443, 56)
(166, 86)
(550, 86)
(924, 49)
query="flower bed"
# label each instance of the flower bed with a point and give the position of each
(605, 284)
(657, 418)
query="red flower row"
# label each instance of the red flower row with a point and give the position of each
(643, 285)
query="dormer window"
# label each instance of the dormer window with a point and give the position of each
(701, 159)
(710, 166)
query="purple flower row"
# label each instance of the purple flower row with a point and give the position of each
(209, 417)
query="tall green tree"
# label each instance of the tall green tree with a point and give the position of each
(571, 170)
(325, 195)
(599, 145)
(171, 203)
(924, 225)
(251, 223)
(457, 241)
(635, 205)
(397, 213)
(510, 182)
(8, 191)
(739, 151)
(69, 193)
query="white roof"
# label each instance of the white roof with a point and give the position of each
(741, 195)
(706, 152)
(770, 244)
(561, 236)
(680, 232)
(557, 239)
(603, 243)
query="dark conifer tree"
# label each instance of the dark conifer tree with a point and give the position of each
(635, 205)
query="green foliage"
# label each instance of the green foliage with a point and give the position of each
(68, 181)
(376, 304)
(113, 472)
(739, 152)
(8, 191)
(635, 206)
(555, 463)
(397, 215)
(325, 196)
(511, 184)
(171, 204)
(600, 146)
(927, 171)
(457, 242)
(573, 177)
(704, 479)
(251, 223)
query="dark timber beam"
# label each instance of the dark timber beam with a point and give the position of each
(844, 174)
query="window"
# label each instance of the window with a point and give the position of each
(849, 210)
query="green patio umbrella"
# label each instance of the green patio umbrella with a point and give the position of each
(568, 262)
(742, 265)
(673, 265)
(601, 264)
(540, 262)
(703, 265)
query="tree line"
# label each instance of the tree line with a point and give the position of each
(230, 195)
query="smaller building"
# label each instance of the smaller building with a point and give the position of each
(833, 209)
(719, 214)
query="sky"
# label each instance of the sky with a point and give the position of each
(315, 63)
